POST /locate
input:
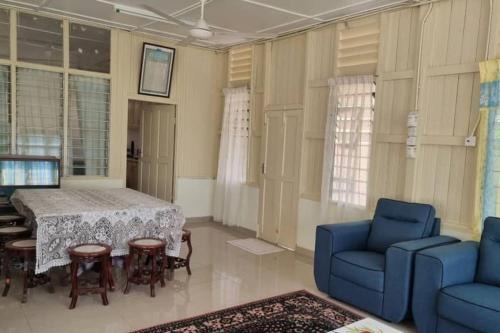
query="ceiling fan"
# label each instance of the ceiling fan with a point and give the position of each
(201, 30)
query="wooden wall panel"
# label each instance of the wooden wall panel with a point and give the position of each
(454, 43)
(286, 81)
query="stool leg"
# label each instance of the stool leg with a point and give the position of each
(103, 283)
(153, 273)
(188, 258)
(74, 283)
(6, 264)
(24, 298)
(128, 262)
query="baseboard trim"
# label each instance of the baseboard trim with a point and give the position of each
(304, 252)
(200, 219)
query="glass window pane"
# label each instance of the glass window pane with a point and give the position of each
(29, 173)
(4, 33)
(39, 112)
(89, 48)
(5, 129)
(39, 39)
(88, 126)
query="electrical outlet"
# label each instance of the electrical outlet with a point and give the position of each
(470, 141)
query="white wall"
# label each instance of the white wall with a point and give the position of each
(195, 196)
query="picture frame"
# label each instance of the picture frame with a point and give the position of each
(157, 65)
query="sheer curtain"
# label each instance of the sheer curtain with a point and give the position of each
(231, 174)
(347, 142)
(39, 112)
(4, 109)
(88, 125)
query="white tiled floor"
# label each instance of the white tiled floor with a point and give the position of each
(223, 276)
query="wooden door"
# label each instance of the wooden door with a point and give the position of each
(156, 164)
(280, 185)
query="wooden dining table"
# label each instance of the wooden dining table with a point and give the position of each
(62, 218)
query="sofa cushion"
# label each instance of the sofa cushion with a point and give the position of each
(398, 221)
(489, 253)
(473, 305)
(363, 268)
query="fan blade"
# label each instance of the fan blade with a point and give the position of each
(186, 41)
(166, 16)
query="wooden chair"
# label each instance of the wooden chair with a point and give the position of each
(24, 249)
(176, 263)
(90, 253)
(154, 250)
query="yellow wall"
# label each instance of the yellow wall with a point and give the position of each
(454, 41)
(198, 79)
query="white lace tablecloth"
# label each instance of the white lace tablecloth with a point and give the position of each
(68, 217)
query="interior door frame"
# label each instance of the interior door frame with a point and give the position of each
(175, 145)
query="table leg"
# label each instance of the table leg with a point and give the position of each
(153, 273)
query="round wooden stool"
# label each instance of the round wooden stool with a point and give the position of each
(154, 250)
(10, 233)
(176, 263)
(90, 253)
(24, 249)
(11, 219)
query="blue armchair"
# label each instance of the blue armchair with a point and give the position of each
(457, 287)
(369, 264)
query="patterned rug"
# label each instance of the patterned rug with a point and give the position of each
(299, 311)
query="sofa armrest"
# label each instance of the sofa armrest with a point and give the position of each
(435, 269)
(399, 265)
(333, 238)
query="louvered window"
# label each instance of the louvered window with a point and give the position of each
(5, 118)
(240, 65)
(358, 47)
(88, 126)
(39, 112)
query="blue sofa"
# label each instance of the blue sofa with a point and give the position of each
(457, 287)
(369, 264)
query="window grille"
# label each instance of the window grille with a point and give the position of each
(39, 112)
(88, 126)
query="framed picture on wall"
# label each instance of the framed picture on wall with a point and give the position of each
(156, 70)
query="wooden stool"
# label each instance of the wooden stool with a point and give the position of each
(24, 249)
(176, 263)
(11, 219)
(154, 250)
(90, 253)
(10, 233)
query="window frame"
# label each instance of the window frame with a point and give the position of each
(334, 179)
(65, 70)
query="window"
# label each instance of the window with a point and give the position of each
(352, 134)
(89, 48)
(4, 33)
(5, 109)
(39, 108)
(39, 39)
(88, 126)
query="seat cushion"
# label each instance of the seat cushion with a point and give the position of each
(489, 253)
(363, 268)
(398, 221)
(473, 305)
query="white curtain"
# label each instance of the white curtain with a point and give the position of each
(231, 174)
(347, 142)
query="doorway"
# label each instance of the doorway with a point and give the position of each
(151, 148)
(279, 195)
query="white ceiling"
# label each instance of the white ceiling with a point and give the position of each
(270, 17)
